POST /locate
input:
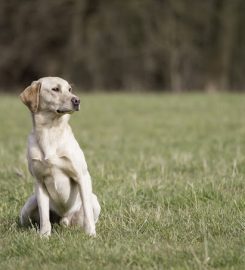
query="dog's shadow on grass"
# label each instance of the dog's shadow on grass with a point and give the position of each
(35, 224)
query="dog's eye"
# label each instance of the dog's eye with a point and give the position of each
(70, 89)
(56, 89)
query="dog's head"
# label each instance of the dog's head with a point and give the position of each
(50, 94)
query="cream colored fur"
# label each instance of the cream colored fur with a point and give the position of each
(63, 183)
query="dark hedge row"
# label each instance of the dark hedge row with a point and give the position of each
(124, 44)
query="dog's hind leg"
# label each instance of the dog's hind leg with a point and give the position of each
(78, 217)
(29, 213)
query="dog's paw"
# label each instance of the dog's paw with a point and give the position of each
(91, 233)
(45, 231)
(65, 222)
(90, 230)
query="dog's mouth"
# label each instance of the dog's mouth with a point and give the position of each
(68, 110)
(60, 111)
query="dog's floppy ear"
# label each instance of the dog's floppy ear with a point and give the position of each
(30, 96)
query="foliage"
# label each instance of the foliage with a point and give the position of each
(133, 44)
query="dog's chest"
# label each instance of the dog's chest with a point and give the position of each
(41, 168)
(50, 167)
(46, 158)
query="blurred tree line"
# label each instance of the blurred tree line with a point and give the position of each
(161, 45)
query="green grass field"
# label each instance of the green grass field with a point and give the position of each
(169, 173)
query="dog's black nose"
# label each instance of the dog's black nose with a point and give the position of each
(75, 101)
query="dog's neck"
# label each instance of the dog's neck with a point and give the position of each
(39, 120)
(51, 133)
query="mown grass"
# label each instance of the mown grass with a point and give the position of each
(169, 173)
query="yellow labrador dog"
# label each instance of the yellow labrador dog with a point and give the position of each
(63, 184)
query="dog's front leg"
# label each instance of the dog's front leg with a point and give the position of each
(43, 207)
(85, 190)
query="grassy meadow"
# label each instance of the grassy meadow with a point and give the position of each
(169, 172)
